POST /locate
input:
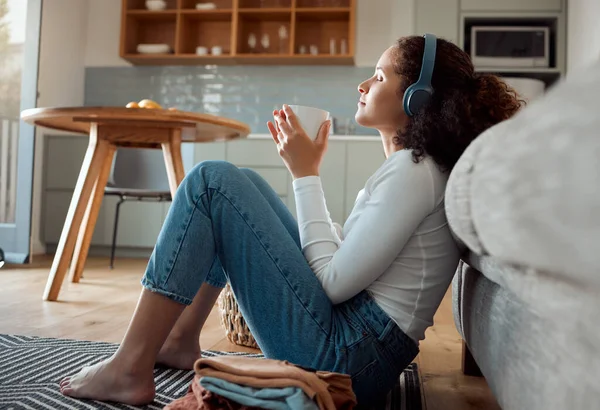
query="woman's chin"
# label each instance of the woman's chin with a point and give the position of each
(360, 119)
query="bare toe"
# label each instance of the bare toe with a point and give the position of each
(105, 381)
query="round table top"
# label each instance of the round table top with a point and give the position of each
(196, 127)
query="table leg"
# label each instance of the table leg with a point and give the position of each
(90, 169)
(86, 231)
(173, 161)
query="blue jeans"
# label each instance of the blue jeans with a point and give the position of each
(227, 224)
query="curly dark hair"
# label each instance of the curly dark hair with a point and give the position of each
(463, 105)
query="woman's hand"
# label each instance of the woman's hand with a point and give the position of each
(301, 155)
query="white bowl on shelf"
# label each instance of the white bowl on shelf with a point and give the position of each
(156, 5)
(153, 48)
(206, 6)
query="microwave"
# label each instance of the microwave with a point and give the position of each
(510, 47)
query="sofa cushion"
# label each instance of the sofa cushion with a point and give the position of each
(534, 356)
(527, 190)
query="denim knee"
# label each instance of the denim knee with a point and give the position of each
(207, 174)
(212, 172)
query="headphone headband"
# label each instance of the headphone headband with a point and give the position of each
(428, 60)
(419, 93)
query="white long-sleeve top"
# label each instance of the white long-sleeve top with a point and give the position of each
(396, 243)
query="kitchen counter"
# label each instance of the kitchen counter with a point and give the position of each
(367, 138)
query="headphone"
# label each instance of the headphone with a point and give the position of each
(419, 93)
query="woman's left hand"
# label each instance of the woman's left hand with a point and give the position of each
(301, 154)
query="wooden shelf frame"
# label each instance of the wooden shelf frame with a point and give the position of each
(182, 26)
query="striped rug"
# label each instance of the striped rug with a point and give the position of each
(32, 367)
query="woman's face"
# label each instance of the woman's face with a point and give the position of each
(380, 106)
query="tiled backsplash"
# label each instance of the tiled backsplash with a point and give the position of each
(244, 93)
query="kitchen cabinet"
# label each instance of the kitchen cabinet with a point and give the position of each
(443, 17)
(238, 29)
(139, 222)
(363, 159)
(511, 5)
(347, 165)
(54, 210)
(261, 156)
(453, 19)
(332, 172)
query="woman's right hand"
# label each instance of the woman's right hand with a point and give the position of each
(301, 155)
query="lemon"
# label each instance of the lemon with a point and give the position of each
(133, 104)
(149, 104)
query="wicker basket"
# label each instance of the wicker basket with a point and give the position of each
(236, 329)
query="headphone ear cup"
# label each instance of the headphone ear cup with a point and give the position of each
(418, 98)
(406, 101)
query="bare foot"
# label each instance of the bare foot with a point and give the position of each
(179, 353)
(105, 381)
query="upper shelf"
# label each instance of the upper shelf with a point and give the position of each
(324, 14)
(152, 15)
(239, 59)
(274, 32)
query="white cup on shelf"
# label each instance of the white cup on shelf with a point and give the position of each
(201, 51)
(216, 50)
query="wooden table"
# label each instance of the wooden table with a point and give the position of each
(109, 128)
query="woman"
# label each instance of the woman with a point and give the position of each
(355, 302)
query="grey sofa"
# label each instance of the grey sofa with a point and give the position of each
(524, 201)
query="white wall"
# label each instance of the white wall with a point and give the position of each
(378, 24)
(61, 79)
(583, 33)
(103, 34)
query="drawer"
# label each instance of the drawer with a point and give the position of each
(251, 153)
(209, 151)
(276, 177)
(364, 158)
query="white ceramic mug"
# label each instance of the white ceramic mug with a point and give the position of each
(310, 118)
(201, 51)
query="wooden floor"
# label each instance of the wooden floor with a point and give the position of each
(99, 308)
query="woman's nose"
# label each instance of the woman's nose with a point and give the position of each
(362, 88)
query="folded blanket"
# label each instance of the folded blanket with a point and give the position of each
(281, 398)
(198, 398)
(329, 390)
